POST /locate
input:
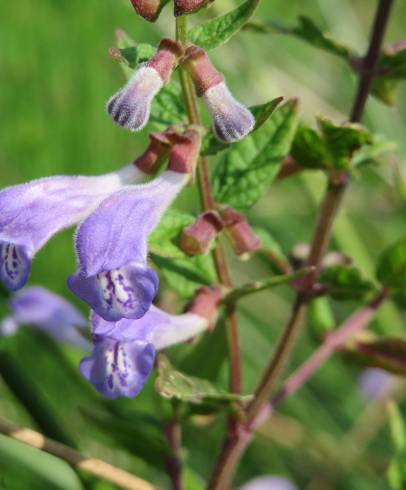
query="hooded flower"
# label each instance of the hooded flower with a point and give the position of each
(130, 106)
(40, 308)
(149, 9)
(113, 275)
(184, 7)
(124, 351)
(32, 213)
(231, 120)
(269, 483)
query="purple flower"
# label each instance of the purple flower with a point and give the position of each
(269, 483)
(124, 351)
(374, 383)
(32, 213)
(40, 308)
(113, 276)
(130, 106)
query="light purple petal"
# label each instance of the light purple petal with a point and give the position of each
(39, 307)
(124, 292)
(374, 382)
(269, 483)
(32, 213)
(156, 326)
(130, 107)
(119, 368)
(231, 120)
(8, 326)
(111, 245)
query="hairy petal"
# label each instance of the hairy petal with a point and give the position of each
(119, 368)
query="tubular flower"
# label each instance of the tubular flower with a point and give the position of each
(40, 308)
(184, 7)
(269, 483)
(32, 213)
(149, 9)
(111, 244)
(124, 351)
(130, 107)
(231, 120)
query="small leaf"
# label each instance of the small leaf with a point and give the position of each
(309, 149)
(308, 31)
(164, 240)
(372, 154)
(249, 166)
(397, 469)
(392, 63)
(187, 275)
(384, 89)
(342, 140)
(135, 55)
(217, 31)
(391, 269)
(345, 283)
(388, 353)
(320, 318)
(174, 384)
(212, 145)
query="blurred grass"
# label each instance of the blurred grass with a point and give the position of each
(55, 78)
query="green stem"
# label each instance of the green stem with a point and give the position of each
(208, 203)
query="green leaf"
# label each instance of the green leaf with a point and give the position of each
(308, 31)
(211, 145)
(187, 275)
(217, 31)
(135, 55)
(384, 89)
(309, 149)
(22, 466)
(174, 384)
(388, 353)
(373, 154)
(164, 240)
(397, 469)
(392, 63)
(345, 283)
(342, 140)
(271, 249)
(320, 318)
(249, 166)
(391, 269)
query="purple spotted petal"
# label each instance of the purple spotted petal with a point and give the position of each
(231, 120)
(269, 483)
(124, 292)
(156, 326)
(111, 244)
(119, 368)
(32, 213)
(38, 307)
(131, 106)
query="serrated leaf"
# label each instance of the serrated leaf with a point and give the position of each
(249, 166)
(397, 468)
(187, 275)
(308, 31)
(212, 145)
(345, 283)
(175, 384)
(164, 240)
(217, 31)
(388, 353)
(391, 269)
(342, 140)
(309, 149)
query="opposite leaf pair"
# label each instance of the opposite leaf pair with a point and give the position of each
(130, 107)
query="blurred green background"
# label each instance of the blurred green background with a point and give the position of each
(55, 77)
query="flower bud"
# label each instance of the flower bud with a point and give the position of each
(185, 151)
(197, 238)
(242, 238)
(157, 151)
(231, 120)
(149, 9)
(130, 107)
(206, 304)
(184, 7)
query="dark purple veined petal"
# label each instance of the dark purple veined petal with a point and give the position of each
(15, 265)
(125, 292)
(119, 368)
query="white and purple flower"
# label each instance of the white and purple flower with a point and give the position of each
(32, 213)
(40, 308)
(124, 351)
